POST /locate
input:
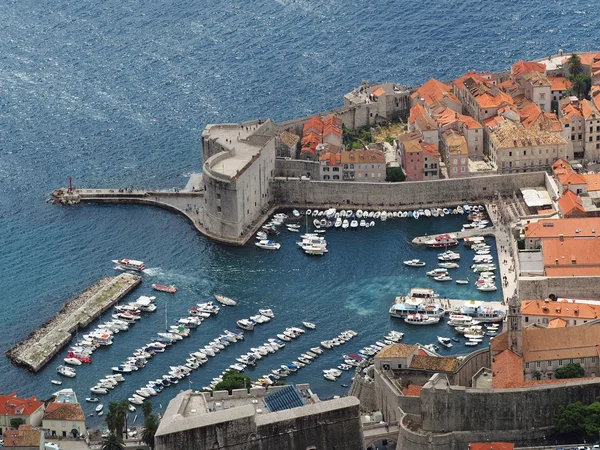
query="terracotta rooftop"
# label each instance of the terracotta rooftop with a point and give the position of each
(434, 363)
(587, 59)
(289, 139)
(596, 95)
(537, 79)
(507, 370)
(522, 67)
(378, 92)
(363, 156)
(589, 110)
(570, 204)
(396, 351)
(434, 90)
(331, 159)
(413, 146)
(557, 322)
(12, 405)
(492, 446)
(552, 228)
(546, 344)
(421, 118)
(533, 117)
(412, 390)
(64, 411)
(593, 181)
(499, 343)
(559, 309)
(455, 143)
(25, 436)
(571, 257)
(332, 125)
(509, 134)
(560, 83)
(478, 77)
(315, 124)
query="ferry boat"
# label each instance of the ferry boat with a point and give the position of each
(443, 240)
(163, 288)
(418, 301)
(477, 311)
(421, 319)
(129, 264)
(460, 320)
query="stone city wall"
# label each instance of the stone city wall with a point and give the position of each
(406, 194)
(296, 168)
(471, 365)
(364, 390)
(531, 288)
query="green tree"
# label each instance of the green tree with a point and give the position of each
(394, 174)
(571, 370)
(581, 85)
(570, 419)
(537, 375)
(116, 418)
(112, 442)
(233, 380)
(14, 423)
(146, 409)
(390, 140)
(575, 66)
(150, 427)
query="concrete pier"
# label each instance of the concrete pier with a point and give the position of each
(490, 231)
(44, 343)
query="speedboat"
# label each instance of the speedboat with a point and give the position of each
(414, 263)
(225, 300)
(91, 399)
(266, 312)
(129, 264)
(66, 371)
(163, 288)
(446, 342)
(268, 245)
(99, 390)
(99, 407)
(56, 382)
(72, 361)
(437, 272)
(246, 324)
(462, 281)
(309, 325)
(449, 265)
(442, 278)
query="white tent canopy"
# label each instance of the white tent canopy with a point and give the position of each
(534, 198)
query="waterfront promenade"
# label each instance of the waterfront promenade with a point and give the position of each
(41, 345)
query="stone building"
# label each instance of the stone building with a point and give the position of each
(420, 160)
(29, 410)
(561, 312)
(64, 420)
(330, 166)
(456, 154)
(288, 147)
(284, 418)
(580, 120)
(363, 165)
(25, 438)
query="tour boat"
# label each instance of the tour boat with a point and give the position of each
(163, 288)
(476, 310)
(421, 319)
(225, 300)
(414, 263)
(129, 264)
(418, 301)
(473, 240)
(446, 342)
(309, 325)
(268, 245)
(66, 371)
(246, 324)
(443, 240)
(460, 320)
(58, 383)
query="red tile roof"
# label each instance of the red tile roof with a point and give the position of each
(552, 228)
(12, 405)
(314, 123)
(559, 309)
(64, 411)
(23, 437)
(331, 159)
(479, 77)
(522, 67)
(570, 204)
(560, 83)
(492, 446)
(435, 91)
(507, 370)
(571, 257)
(557, 323)
(412, 390)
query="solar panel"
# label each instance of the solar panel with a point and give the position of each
(285, 398)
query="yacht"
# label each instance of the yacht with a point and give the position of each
(268, 245)
(477, 311)
(487, 287)
(99, 390)
(414, 263)
(421, 319)
(449, 256)
(163, 288)
(129, 264)
(66, 371)
(446, 342)
(449, 265)
(437, 272)
(72, 361)
(246, 324)
(314, 249)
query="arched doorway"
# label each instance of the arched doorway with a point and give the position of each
(383, 444)
(74, 433)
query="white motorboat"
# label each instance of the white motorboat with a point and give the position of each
(91, 399)
(487, 287)
(330, 376)
(267, 312)
(354, 224)
(414, 263)
(99, 390)
(462, 281)
(338, 222)
(309, 325)
(246, 324)
(72, 361)
(99, 407)
(384, 216)
(449, 265)
(442, 278)
(421, 319)
(449, 256)
(446, 342)
(268, 245)
(359, 214)
(66, 371)
(225, 300)
(314, 249)
(56, 382)
(362, 223)
(437, 272)
(345, 224)
(293, 230)
(471, 343)
(129, 264)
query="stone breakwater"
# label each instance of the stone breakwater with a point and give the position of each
(44, 343)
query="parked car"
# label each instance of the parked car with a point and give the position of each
(51, 446)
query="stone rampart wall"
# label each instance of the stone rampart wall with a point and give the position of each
(364, 390)
(471, 365)
(401, 194)
(572, 287)
(296, 168)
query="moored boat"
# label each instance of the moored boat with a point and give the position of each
(225, 300)
(414, 263)
(163, 288)
(442, 240)
(129, 264)
(421, 319)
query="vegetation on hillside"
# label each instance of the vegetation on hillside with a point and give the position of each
(356, 139)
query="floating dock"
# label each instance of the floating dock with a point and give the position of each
(43, 344)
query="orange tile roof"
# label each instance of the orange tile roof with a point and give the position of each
(363, 156)
(12, 405)
(478, 77)
(492, 446)
(593, 181)
(434, 363)
(522, 67)
(570, 111)
(533, 117)
(455, 143)
(396, 351)
(315, 123)
(412, 390)
(557, 322)
(488, 100)
(596, 95)
(499, 343)
(560, 83)
(23, 437)
(571, 257)
(378, 92)
(549, 344)
(564, 172)
(64, 411)
(559, 309)
(589, 110)
(420, 117)
(332, 159)
(587, 59)
(507, 370)
(570, 203)
(435, 90)
(449, 117)
(494, 121)
(566, 227)
(413, 146)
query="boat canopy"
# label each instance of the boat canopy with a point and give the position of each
(355, 356)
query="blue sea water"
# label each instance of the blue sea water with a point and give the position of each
(116, 93)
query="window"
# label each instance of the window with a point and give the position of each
(581, 361)
(542, 106)
(540, 151)
(476, 139)
(336, 169)
(336, 177)
(462, 169)
(454, 169)
(527, 365)
(560, 362)
(352, 166)
(538, 364)
(366, 175)
(593, 359)
(509, 153)
(571, 361)
(345, 166)
(524, 152)
(219, 209)
(549, 364)
(325, 169)
(426, 166)
(218, 196)
(326, 177)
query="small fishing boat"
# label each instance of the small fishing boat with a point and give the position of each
(163, 288)
(58, 383)
(225, 300)
(414, 263)
(462, 281)
(309, 325)
(99, 407)
(91, 399)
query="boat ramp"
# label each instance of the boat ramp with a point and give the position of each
(41, 345)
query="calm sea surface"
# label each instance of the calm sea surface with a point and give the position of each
(116, 93)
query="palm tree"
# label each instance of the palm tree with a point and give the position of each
(146, 409)
(150, 427)
(116, 418)
(575, 66)
(579, 86)
(113, 442)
